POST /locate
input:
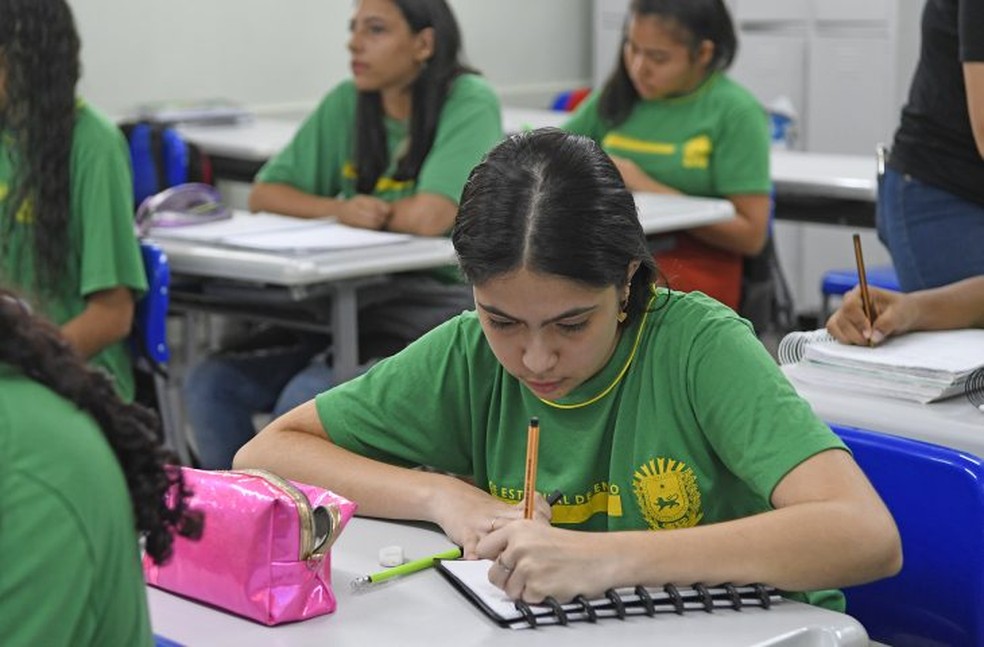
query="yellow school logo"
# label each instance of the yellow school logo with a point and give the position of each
(697, 152)
(25, 215)
(667, 493)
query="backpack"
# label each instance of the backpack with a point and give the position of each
(161, 158)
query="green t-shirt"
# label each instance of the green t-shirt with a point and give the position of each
(713, 142)
(69, 560)
(100, 237)
(700, 429)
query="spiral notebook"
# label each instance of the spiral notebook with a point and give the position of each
(470, 577)
(919, 366)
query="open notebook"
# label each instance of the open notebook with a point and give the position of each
(919, 366)
(470, 577)
(270, 232)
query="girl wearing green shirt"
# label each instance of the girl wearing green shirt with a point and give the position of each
(682, 452)
(66, 194)
(674, 122)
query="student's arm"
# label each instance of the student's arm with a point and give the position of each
(425, 214)
(822, 506)
(744, 234)
(958, 305)
(974, 83)
(106, 319)
(360, 211)
(297, 446)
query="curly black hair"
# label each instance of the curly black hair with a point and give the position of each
(36, 348)
(39, 56)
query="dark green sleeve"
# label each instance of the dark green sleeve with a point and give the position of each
(586, 120)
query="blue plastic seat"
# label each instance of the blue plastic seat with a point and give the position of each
(936, 495)
(837, 282)
(148, 342)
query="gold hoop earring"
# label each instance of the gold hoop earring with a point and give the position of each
(622, 316)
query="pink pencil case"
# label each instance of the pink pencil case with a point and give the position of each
(265, 549)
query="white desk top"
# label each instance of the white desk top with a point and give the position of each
(823, 175)
(423, 609)
(515, 120)
(953, 423)
(658, 214)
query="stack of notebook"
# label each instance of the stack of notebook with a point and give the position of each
(920, 366)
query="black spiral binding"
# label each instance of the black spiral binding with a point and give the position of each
(647, 600)
(733, 595)
(527, 612)
(705, 597)
(587, 608)
(558, 610)
(763, 595)
(675, 598)
(617, 603)
(974, 388)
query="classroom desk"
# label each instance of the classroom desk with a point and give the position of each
(954, 422)
(260, 284)
(423, 609)
(825, 188)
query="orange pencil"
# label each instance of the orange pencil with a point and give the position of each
(532, 449)
(869, 310)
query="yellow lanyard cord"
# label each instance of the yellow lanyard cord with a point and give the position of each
(621, 373)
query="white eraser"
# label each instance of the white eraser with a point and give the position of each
(980, 407)
(390, 556)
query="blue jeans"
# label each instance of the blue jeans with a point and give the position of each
(222, 393)
(934, 237)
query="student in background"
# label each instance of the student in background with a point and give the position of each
(931, 198)
(388, 149)
(659, 411)
(958, 305)
(66, 194)
(675, 123)
(81, 473)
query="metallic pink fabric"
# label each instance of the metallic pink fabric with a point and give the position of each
(247, 560)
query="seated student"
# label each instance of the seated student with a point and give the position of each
(389, 149)
(659, 411)
(673, 122)
(958, 305)
(81, 473)
(66, 194)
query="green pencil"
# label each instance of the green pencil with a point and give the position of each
(404, 569)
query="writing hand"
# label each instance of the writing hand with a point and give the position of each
(894, 314)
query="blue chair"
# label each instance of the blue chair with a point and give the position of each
(936, 495)
(837, 282)
(148, 343)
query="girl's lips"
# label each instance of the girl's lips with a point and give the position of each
(359, 68)
(543, 388)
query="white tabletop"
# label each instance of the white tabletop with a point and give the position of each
(824, 175)
(423, 609)
(953, 423)
(516, 120)
(657, 213)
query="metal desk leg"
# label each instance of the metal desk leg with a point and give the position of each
(345, 332)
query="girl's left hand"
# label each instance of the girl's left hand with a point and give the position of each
(533, 560)
(636, 179)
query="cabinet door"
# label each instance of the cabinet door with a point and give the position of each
(771, 65)
(851, 103)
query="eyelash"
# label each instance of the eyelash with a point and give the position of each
(568, 328)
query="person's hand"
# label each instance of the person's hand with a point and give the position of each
(534, 560)
(467, 514)
(895, 314)
(366, 212)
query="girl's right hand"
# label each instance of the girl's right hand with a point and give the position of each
(895, 314)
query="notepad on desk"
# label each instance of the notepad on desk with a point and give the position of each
(270, 232)
(919, 366)
(470, 577)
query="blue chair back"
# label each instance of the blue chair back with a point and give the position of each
(150, 318)
(936, 495)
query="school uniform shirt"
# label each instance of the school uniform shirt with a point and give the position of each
(713, 142)
(103, 247)
(320, 159)
(700, 429)
(69, 560)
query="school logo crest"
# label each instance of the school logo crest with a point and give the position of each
(667, 493)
